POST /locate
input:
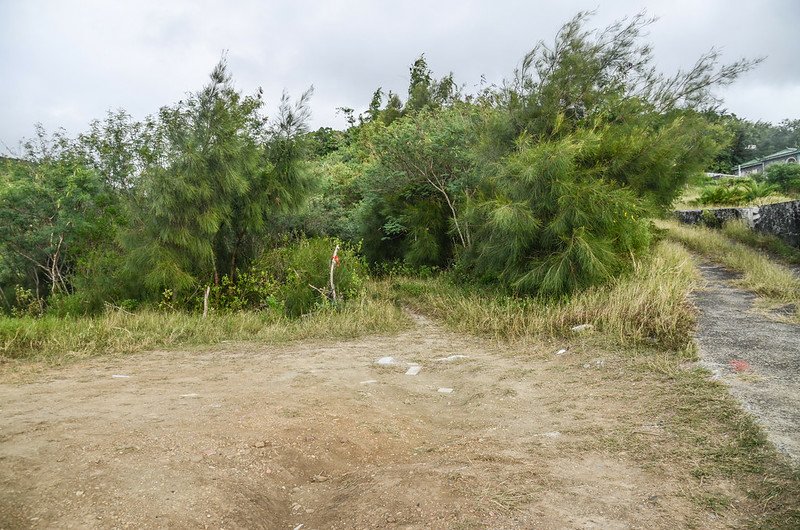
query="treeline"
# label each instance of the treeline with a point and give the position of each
(540, 186)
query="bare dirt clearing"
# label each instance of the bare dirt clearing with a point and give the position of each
(277, 437)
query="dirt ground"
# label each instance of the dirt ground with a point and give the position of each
(295, 437)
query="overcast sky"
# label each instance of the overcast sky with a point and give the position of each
(63, 63)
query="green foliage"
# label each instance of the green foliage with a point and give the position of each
(253, 290)
(784, 176)
(331, 210)
(52, 211)
(539, 184)
(201, 212)
(26, 303)
(301, 272)
(735, 192)
(547, 225)
(751, 140)
(415, 193)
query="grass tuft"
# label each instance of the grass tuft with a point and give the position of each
(759, 274)
(647, 306)
(56, 339)
(741, 233)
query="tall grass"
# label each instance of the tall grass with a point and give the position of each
(649, 305)
(56, 339)
(759, 273)
(741, 233)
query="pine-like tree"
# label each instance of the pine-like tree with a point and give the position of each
(201, 209)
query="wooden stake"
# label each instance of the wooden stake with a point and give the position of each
(205, 301)
(334, 262)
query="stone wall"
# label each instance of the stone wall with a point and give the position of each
(781, 219)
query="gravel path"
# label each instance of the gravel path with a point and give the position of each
(767, 382)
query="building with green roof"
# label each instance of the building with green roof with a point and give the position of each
(790, 155)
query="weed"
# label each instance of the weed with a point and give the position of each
(740, 232)
(647, 306)
(759, 273)
(57, 339)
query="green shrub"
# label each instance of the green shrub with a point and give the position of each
(548, 225)
(301, 272)
(784, 176)
(255, 289)
(26, 304)
(67, 305)
(735, 192)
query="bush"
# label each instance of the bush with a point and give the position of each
(26, 304)
(67, 305)
(784, 176)
(255, 289)
(552, 227)
(301, 272)
(735, 192)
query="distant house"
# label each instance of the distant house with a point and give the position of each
(790, 155)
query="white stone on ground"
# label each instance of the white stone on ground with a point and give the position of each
(451, 358)
(386, 361)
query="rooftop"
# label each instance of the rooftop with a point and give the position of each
(782, 152)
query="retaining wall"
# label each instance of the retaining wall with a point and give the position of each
(781, 219)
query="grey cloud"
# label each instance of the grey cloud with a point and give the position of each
(66, 62)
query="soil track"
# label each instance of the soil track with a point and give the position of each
(278, 437)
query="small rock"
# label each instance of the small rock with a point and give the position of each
(260, 445)
(120, 376)
(451, 358)
(79, 493)
(386, 361)
(190, 395)
(368, 382)
(319, 478)
(445, 390)
(581, 328)
(561, 352)
(413, 370)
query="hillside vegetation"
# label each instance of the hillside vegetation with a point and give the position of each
(539, 187)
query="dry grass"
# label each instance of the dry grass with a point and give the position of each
(759, 274)
(689, 200)
(741, 233)
(646, 306)
(55, 340)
